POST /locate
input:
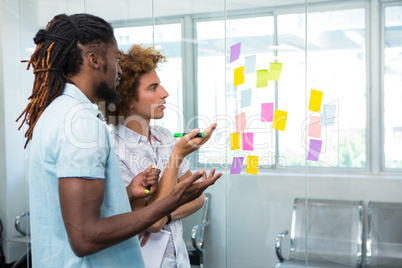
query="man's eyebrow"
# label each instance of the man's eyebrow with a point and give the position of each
(153, 84)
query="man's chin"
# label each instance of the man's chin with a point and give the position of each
(108, 94)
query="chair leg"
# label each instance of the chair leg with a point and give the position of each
(22, 261)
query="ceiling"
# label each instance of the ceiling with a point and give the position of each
(118, 10)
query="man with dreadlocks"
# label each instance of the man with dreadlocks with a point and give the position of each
(80, 209)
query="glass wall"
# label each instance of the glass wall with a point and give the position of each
(306, 95)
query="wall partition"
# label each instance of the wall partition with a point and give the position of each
(306, 97)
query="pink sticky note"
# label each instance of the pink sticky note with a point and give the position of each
(235, 52)
(240, 122)
(267, 112)
(248, 141)
(315, 150)
(314, 127)
(236, 165)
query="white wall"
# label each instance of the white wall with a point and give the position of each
(12, 190)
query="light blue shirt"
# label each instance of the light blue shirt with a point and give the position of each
(70, 141)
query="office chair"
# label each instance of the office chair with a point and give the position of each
(384, 238)
(193, 233)
(334, 234)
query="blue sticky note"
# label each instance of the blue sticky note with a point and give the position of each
(249, 64)
(235, 52)
(246, 97)
(328, 115)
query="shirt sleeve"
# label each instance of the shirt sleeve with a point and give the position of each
(83, 148)
(125, 172)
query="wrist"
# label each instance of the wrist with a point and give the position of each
(176, 159)
(129, 194)
(169, 218)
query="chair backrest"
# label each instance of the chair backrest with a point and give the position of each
(384, 238)
(198, 217)
(22, 223)
(334, 231)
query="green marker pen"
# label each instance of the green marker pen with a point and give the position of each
(179, 135)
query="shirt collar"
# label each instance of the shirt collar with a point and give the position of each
(127, 135)
(133, 138)
(154, 137)
(74, 92)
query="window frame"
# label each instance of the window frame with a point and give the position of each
(383, 4)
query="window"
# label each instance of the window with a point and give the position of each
(168, 40)
(336, 65)
(216, 105)
(392, 87)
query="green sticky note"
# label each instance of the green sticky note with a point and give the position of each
(275, 70)
(238, 76)
(315, 101)
(262, 78)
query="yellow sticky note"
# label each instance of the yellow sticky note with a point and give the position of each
(275, 70)
(315, 101)
(252, 164)
(238, 76)
(262, 78)
(235, 141)
(280, 118)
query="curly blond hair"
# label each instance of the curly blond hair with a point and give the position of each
(138, 61)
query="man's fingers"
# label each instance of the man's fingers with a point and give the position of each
(208, 132)
(215, 178)
(196, 176)
(146, 171)
(192, 134)
(155, 171)
(211, 173)
(145, 239)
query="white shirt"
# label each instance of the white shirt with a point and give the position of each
(135, 154)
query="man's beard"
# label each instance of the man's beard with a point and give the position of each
(108, 94)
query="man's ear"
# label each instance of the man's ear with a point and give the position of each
(94, 60)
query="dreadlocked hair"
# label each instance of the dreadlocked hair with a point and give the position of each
(58, 55)
(138, 61)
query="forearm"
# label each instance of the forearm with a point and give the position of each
(188, 209)
(97, 234)
(81, 201)
(180, 213)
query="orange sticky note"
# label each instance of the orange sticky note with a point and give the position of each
(238, 76)
(252, 164)
(280, 118)
(315, 101)
(314, 127)
(235, 141)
